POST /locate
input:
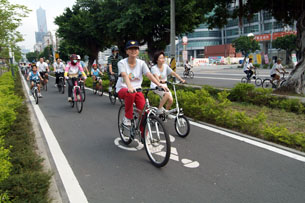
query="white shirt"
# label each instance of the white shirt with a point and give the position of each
(247, 66)
(135, 74)
(42, 67)
(59, 67)
(162, 75)
(274, 67)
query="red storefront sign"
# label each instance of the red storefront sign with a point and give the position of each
(267, 37)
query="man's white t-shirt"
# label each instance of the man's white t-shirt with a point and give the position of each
(60, 68)
(274, 67)
(42, 67)
(162, 75)
(135, 74)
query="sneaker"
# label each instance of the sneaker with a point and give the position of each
(109, 89)
(69, 99)
(126, 121)
(55, 85)
(39, 95)
(161, 111)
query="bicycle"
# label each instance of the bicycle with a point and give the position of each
(35, 91)
(61, 84)
(155, 139)
(77, 96)
(187, 72)
(267, 83)
(97, 87)
(258, 80)
(182, 124)
(113, 95)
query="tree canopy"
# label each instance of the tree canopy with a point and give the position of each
(287, 43)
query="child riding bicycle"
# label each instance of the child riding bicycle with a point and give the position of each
(160, 71)
(95, 72)
(34, 76)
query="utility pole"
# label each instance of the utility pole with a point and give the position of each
(173, 36)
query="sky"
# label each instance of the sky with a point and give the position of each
(29, 26)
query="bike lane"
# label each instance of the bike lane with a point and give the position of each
(222, 169)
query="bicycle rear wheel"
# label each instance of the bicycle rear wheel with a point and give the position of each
(283, 82)
(185, 74)
(123, 130)
(156, 142)
(182, 126)
(79, 101)
(244, 80)
(267, 84)
(258, 82)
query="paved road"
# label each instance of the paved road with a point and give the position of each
(225, 169)
(219, 76)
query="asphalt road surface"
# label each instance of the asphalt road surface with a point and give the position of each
(204, 167)
(220, 76)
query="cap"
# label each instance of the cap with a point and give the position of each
(132, 43)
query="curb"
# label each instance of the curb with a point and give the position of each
(53, 192)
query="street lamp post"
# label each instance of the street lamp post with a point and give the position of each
(172, 35)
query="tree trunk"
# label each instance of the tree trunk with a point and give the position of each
(93, 56)
(296, 80)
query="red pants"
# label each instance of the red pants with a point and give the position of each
(129, 99)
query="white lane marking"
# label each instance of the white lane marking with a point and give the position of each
(190, 164)
(70, 182)
(129, 148)
(224, 74)
(253, 142)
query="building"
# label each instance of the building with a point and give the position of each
(264, 27)
(42, 24)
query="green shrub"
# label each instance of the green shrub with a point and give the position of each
(265, 66)
(5, 165)
(256, 65)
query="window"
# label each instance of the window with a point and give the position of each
(267, 16)
(204, 34)
(200, 43)
(268, 26)
(252, 20)
(232, 22)
(232, 32)
(252, 28)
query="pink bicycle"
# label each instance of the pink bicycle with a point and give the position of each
(77, 95)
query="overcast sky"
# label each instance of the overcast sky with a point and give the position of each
(29, 26)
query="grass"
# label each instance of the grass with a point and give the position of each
(293, 122)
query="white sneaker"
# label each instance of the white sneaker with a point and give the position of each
(110, 89)
(161, 111)
(39, 95)
(69, 99)
(126, 121)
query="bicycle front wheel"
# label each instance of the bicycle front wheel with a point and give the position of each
(191, 74)
(79, 101)
(112, 97)
(182, 126)
(123, 130)
(36, 96)
(185, 74)
(156, 142)
(258, 82)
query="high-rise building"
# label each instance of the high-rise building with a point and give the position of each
(42, 25)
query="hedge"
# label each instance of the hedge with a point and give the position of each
(201, 105)
(26, 181)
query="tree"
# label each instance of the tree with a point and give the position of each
(32, 56)
(282, 10)
(80, 27)
(148, 21)
(66, 49)
(245, 45)
(47, 53)
(10, 19)
(287, 43)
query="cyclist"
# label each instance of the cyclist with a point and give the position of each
(276, 71)
(187, 66)
(161, 70)
(113, 66)
(72, 69)
(248, 69)
(95, 72)
(59, 69)
(43, 69)
(131, 71)
(82, 63)
(35, 76)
